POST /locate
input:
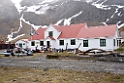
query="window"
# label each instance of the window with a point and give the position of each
(41, 43)
(73, 42)
(20, 45)
(118, 42)
(50, 33)
(61, 42)
(114, 42)
(102, 42)
(85, 43)
(33, 43)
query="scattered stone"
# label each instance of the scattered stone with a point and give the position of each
(14, 80)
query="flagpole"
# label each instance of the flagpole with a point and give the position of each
(31, 33)
(31, 37)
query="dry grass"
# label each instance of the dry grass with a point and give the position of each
(26, 75)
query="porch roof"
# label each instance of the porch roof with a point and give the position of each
(51, 37)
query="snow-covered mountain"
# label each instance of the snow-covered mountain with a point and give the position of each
(38, 13)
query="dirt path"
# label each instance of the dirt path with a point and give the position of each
(78, 65)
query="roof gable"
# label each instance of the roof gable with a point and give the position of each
(70, 31)
(51, 26)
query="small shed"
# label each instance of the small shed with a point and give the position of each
(23, 43)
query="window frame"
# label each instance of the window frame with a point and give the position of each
(85, 43)
(73, 42)
(32, 43)
(50, 33)
(41, 43)
(20, 45)
(102, 42)
(61, 42)
(114, 41)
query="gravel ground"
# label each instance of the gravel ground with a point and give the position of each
(78, 65)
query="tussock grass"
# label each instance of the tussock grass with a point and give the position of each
(26, 75)
(1, 56)
(119, 49)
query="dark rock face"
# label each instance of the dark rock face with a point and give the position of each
(95, 12)
(9, 18)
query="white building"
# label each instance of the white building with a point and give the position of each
(76, 36)
(23, 43)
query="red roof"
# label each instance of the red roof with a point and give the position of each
(97, 31)
(79, 31)
(70, 31)
(40, 34)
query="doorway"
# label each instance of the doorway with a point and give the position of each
(48, 44)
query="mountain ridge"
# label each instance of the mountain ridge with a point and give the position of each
(37, 13)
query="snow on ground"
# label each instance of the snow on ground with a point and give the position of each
(17, 5)
(32, 25)
(68, 21)
(59, 22)
(48, 1)
(42, 9)
(10, 37)
(99, 4)
(44, 6)
(119, 26)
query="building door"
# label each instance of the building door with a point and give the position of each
(48, 44)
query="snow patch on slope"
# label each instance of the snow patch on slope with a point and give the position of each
(100, 5)
(42, 9)
(49, 1)
(10, 37)
(119, 26)
(17, 5)
(68, 21)
(32, 25)
(59, 22)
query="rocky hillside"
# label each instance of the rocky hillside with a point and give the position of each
(17, 19)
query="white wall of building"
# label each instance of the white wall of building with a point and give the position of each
(21, 44)
(95, 43)
(92, 42)
(56, 33)
(37, 44)
(69, 46)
